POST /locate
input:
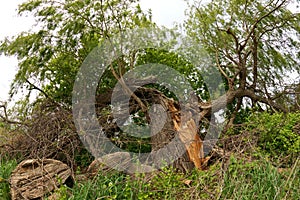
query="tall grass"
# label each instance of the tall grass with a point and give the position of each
(242, 180)
(6, 167)
(260, 180)
(119, 186)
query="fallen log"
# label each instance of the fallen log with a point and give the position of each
(36, 178)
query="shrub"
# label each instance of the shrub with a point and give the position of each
(279, 134)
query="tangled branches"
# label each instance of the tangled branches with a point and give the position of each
(51, 133)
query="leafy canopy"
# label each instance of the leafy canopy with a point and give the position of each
(255, 45)
(66, 31)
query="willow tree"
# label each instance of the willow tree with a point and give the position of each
(50, 57)
(254, 45)
(65, 33)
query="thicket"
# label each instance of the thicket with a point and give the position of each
(258, 159)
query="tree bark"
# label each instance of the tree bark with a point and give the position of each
(33, 179)
(178, 141)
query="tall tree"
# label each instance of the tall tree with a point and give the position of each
(254, 45)
(65, 33)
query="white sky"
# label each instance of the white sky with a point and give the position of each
(164, 12)
(10, 25)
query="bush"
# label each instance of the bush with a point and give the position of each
(50, 133)
(279, 134)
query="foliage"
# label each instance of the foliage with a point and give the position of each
(279, 134)
(65, 33)
(178, 62)
(244, 49)
(6, 167)
(254, 45)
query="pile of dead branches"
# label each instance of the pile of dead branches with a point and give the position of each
(50, 133)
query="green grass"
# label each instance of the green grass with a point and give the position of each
(6, 167)
(260, 180)
(243, 179)
(120, 186)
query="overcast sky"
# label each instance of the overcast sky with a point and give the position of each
(165, 12)
(10, 25)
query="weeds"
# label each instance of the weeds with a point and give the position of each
(243, 179)
(6, 167)
(251, 173)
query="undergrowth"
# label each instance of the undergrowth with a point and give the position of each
(259, 173)
(259, 179)
(242, 179)
(6, 167)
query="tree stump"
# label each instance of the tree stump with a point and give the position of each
(35, 178)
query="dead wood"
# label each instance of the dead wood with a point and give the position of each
(33, 179)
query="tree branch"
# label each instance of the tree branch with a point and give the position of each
(33, 87)
(254, 26)
(5, 117)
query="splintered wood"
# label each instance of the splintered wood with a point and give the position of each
(187, 129)
(183, 120)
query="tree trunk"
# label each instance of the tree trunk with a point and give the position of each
(174, 131)
(178, 141)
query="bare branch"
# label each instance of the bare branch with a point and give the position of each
(5, 117)
(34, 87)
(219, 66)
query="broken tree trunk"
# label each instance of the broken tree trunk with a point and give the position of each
(174, 130)
(180, 126)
